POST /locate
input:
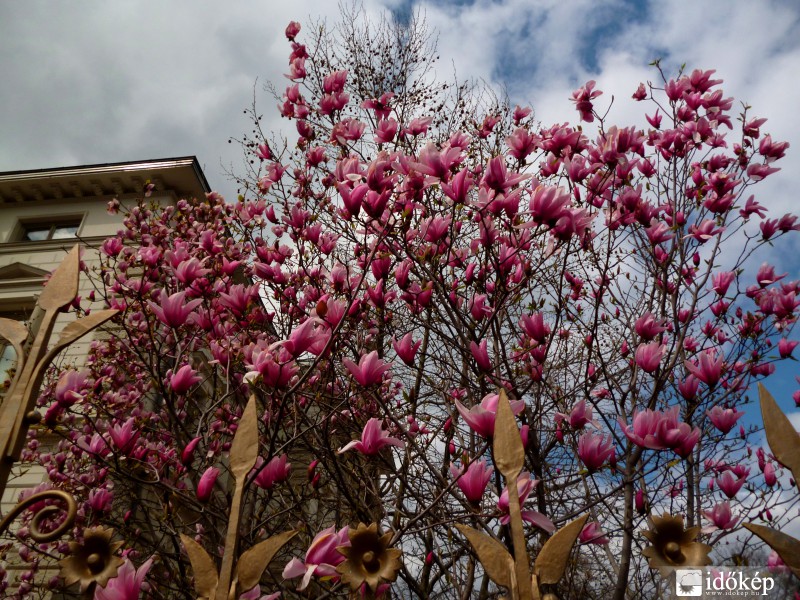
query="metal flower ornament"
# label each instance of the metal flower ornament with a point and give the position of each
(224, 584)
(514, 573)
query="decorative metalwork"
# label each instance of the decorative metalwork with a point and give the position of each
(17, 410)
(369, 559)
(36, 533)
(514, 573)
(223, 585)
(92, 561)
(784, 442)
(674, 547)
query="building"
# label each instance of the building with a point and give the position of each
(43, 214)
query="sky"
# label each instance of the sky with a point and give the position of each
(96, 82)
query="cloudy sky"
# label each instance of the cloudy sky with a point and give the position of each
(93, 82)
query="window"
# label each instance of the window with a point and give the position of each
(31, 317)
(58, 230)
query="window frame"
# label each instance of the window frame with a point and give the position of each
(24, 226)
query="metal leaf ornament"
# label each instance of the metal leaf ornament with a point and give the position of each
(514, 573)
(16, 412)
(208, 583)
(784, 442)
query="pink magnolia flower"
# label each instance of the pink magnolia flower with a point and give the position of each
(123, 436)
(769, 474)
(386, 130)
(112, 246)
(679, 436)
(648, 356)
(311, 336)
(173, 310)
(480, 418)
(206, 484)
(127, 585)
(473, 480)
(721, 517)
(369, 370)
(321, 559)
(707, 368)
(786, 347)
(720, 282)
(70, 385)
(593, 534)
(582, 97)
(100, 500)
(535, 327)
(688, 387)
(724, 418)
(187, 455)
(481, 355)
(276, 367)
(292, 29)
(276, 471)
(189, 270)
(729, 483)
(775, 564)
(644, 428)
(373, 439)
(254, 593)
(766, 275)
(580, 416)
(406, 348)
(648, 327)
(183, 379)
(525, 485)
(594, 449)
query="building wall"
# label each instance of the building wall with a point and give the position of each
(53, 196)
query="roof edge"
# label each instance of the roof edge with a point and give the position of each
(101, 168)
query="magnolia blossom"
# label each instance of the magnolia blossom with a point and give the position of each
(70, 385)
(648, 356)
(173, 310)
(473, 479)
(707, 368)
(770, 478)
(406, 348)
(721, 517)
(593, 534)
(128, 583)
(729, 483)
(594, 449)
(276, 471)
(724, 418)
(322, 558)
(525, 485)
(373, 439)
(481, 417)
(183, 379)
(124, 436)
(206, 484)
(369, 370)
(580, 416)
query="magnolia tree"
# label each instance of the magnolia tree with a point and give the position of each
(411, 252)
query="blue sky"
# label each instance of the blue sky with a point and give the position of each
(88, 82)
